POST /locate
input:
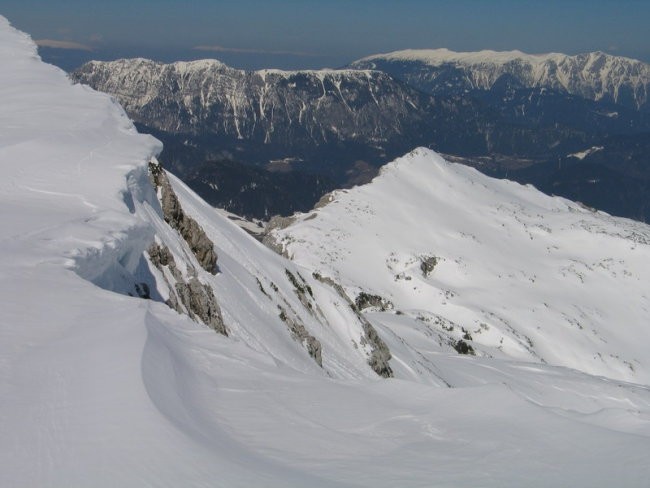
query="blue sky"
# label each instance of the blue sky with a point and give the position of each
(291, 33)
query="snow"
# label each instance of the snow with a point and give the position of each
(583, 154)
(548, 279)
(98, 388)
(437, 57)
(321, 74)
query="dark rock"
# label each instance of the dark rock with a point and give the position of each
(366, 300)
(202, 247)
(463, 347)
(300, 333)
(427, 264)
(143, 291)
(192, 297)
(198, 299)
(160, 255)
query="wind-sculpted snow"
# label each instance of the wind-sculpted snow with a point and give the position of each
(99, 388)
(596, 76)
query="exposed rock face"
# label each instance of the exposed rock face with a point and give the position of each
(427, 264)
(200, 244)
(463, 347)
(367, 300)
(302, 290)
(161, 256)
(187, 296)
(379, 353)
(143, 291)
(300, 333)
(198, 299)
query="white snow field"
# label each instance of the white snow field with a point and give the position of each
(528, 276)
(101, 389)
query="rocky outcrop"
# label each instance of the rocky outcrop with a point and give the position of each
(463, 347)
(198, 299)
(202, 247)
(187, 295)
(427, 265)
(276, 223)
(368, 300)
(380, 355)
(300, 334)
(302, 289)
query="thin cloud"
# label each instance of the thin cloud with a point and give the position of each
(63, 44)
(239, 50)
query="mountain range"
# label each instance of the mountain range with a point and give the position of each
(432, 327)
(521, 115)
(594, 76)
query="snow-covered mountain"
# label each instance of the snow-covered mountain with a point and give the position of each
(461, 255)
(269, 106)
(595, 76)
(146, 340)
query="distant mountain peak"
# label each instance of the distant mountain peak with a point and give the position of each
(595, 76)
(269, 106)
(436, 57)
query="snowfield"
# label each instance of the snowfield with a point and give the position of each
(99, 388)
(528, 276)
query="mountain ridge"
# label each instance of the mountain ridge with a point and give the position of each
(596, 75)
(254, 104)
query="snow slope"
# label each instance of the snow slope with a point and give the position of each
(529, 276)
(99, 388)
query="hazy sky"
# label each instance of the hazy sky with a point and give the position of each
(291, 33)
